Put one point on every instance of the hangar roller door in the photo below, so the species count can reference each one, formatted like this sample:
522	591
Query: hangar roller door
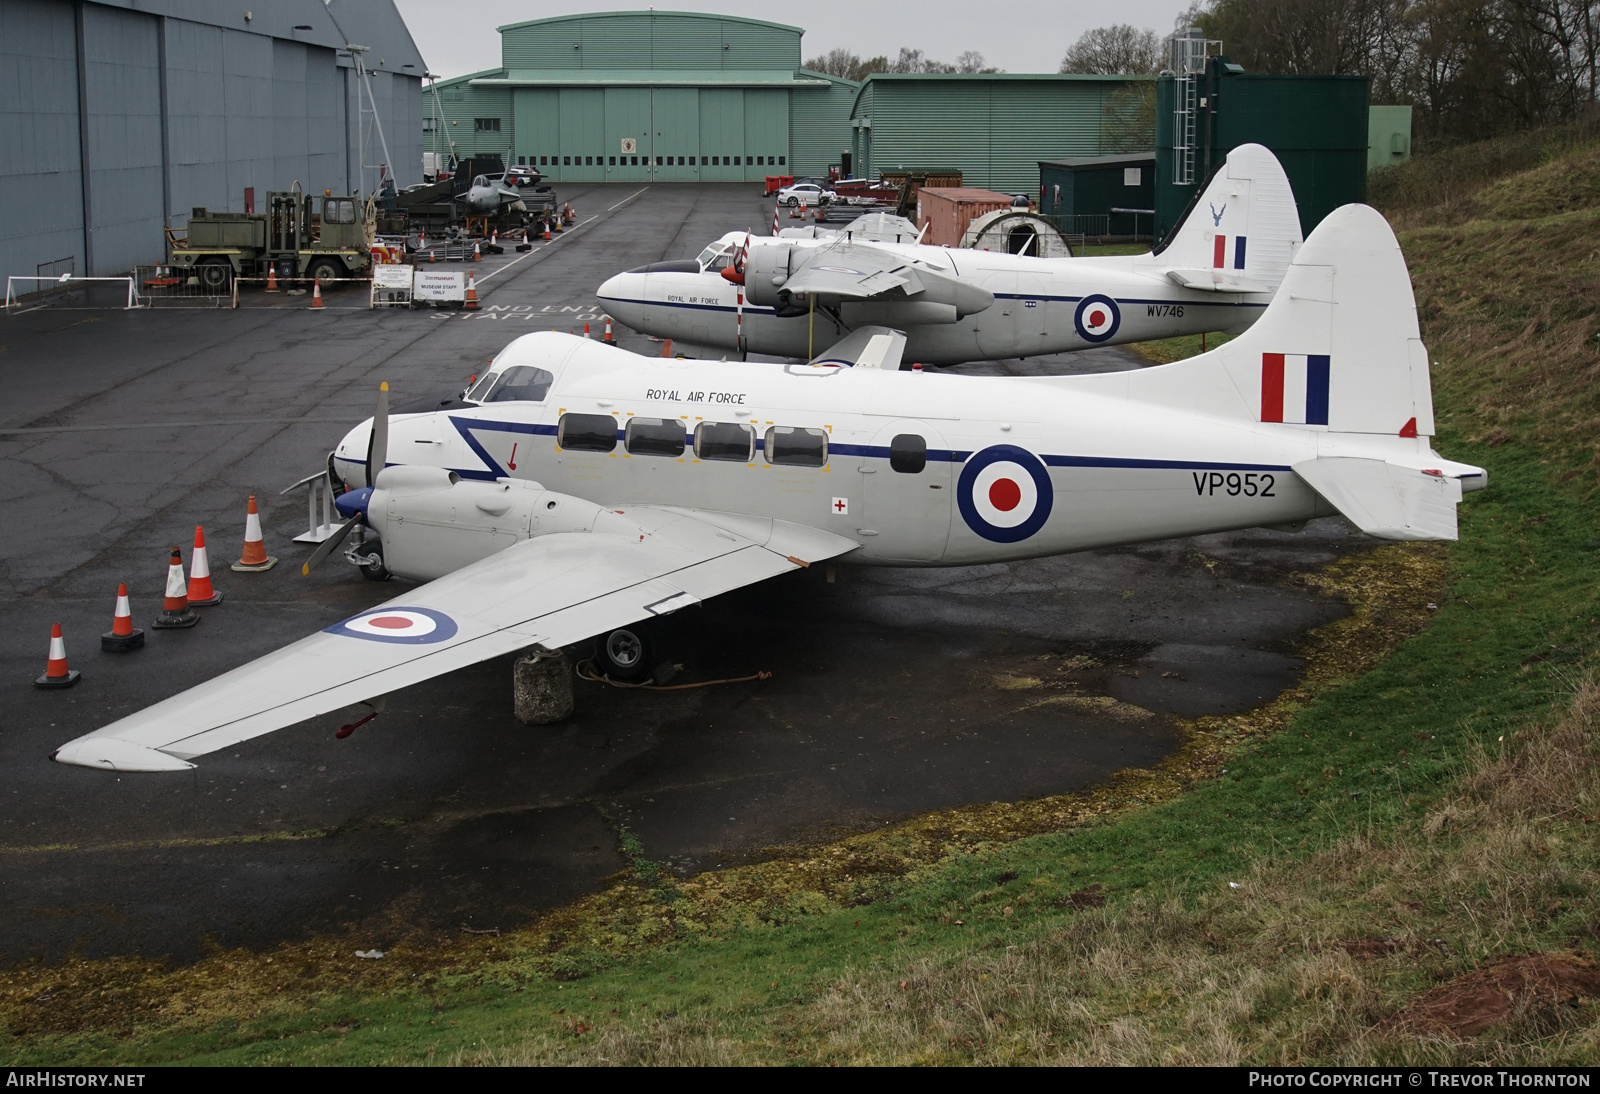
678	134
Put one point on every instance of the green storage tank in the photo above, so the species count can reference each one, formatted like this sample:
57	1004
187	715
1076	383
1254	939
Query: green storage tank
1315	125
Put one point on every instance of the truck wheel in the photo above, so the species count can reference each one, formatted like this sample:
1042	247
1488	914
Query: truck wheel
216	274
325	271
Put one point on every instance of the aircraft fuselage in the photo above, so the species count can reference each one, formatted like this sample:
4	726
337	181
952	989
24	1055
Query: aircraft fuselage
1041	306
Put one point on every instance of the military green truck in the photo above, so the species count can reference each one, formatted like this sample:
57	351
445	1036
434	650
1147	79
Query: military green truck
325	237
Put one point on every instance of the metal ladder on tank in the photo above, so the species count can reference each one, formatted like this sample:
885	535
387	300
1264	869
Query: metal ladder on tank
1188	62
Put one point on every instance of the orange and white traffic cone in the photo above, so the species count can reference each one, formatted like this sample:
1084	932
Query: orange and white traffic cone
255	557
547	229
586	330
56	673
477	253
471	301
123	635
608	336
175	610
272	278
431	256
201	594
316	295
494	238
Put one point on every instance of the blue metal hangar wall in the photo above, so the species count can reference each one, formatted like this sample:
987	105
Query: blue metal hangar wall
647	96
119	116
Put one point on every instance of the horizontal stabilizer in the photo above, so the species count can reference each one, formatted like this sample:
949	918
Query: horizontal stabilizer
866	347
1216	281
1388	500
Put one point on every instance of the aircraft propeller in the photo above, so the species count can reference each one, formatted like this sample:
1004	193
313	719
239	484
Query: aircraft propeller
377	460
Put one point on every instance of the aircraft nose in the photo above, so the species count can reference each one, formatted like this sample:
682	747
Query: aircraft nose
623	297
350	457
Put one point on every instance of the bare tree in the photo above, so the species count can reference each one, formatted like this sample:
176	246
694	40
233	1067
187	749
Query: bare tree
1121	49
841	62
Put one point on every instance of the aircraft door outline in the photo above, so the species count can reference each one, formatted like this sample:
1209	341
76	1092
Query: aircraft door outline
906	495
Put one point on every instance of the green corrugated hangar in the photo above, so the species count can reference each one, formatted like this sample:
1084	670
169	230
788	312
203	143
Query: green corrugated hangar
995	127
647	96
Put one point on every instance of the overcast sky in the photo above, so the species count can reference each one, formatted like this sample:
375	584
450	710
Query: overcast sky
1018	36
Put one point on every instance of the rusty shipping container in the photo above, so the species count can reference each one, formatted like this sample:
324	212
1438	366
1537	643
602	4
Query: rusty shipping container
947	210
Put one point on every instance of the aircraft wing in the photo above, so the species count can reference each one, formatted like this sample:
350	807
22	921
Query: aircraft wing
854	272
551	590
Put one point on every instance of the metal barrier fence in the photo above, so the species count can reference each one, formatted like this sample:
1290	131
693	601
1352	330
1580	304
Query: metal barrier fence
168	286
83	289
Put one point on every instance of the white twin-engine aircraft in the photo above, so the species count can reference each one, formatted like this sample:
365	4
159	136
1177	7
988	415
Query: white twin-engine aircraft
790	297
590	488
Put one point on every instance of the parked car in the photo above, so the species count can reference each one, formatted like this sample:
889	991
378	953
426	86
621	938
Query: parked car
804	195
522	176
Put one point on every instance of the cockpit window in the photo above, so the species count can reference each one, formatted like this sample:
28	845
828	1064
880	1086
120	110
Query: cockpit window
480	180
521	384
480	390
715	257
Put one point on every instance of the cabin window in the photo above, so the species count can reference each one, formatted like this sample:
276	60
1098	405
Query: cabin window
796	446
521	384
587	432
724	441
655	437
338	211
908	453
481	388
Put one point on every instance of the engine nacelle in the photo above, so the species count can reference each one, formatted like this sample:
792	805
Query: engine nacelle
433	522
766	268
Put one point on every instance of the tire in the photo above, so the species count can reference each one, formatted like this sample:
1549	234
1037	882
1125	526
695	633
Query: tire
216	274
375	571
626	653
325	270
794	203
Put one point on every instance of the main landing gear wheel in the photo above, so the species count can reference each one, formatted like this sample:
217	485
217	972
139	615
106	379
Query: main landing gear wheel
625	654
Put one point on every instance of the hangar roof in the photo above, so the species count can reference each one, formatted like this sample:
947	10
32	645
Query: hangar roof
647	78
332	25
650	12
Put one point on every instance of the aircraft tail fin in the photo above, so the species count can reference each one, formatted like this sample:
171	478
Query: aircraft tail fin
1337	352
1240	232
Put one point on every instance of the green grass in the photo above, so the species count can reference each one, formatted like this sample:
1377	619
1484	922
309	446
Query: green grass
1438	804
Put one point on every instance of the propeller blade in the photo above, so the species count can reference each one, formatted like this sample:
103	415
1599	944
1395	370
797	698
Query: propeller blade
329	544
378	443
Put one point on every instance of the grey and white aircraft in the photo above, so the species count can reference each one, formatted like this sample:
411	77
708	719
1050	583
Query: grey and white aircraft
492	195
586	490
785	296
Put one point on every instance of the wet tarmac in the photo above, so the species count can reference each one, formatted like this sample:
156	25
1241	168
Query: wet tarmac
893	692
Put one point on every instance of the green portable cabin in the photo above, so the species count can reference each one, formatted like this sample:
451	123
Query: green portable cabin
1100	195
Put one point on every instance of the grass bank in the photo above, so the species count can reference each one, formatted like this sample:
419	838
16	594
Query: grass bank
1308	882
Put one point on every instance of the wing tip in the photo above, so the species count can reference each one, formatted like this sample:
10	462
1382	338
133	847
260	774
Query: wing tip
116	754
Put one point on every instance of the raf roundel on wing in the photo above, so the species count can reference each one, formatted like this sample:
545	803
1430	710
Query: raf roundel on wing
410	626
1004	493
